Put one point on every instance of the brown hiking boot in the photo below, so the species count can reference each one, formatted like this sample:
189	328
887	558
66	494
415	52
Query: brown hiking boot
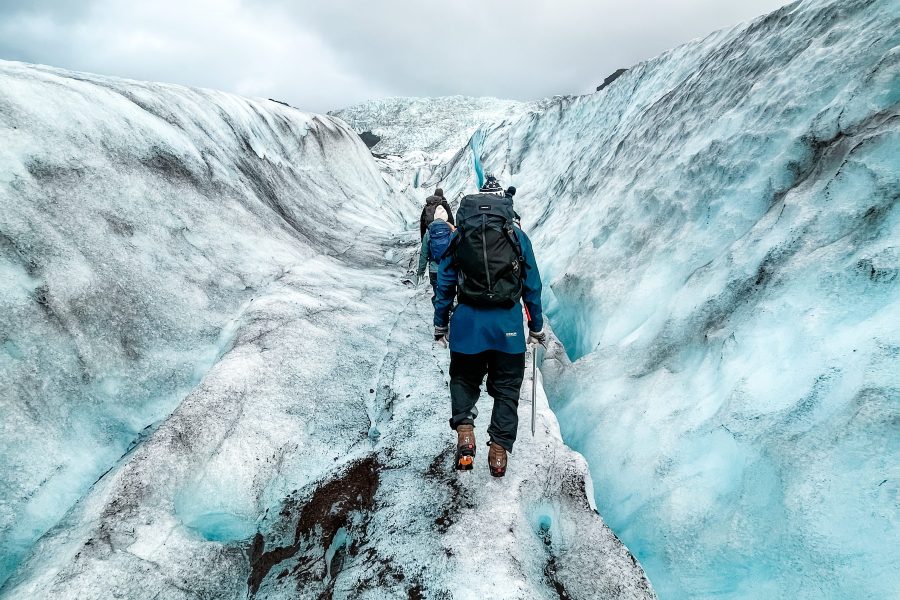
465	447
497	460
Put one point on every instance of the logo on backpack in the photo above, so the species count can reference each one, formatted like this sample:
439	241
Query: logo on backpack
487	252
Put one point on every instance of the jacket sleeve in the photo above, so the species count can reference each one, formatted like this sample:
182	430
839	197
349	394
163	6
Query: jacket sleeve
531	292
449	212
423	256
422	223
446	289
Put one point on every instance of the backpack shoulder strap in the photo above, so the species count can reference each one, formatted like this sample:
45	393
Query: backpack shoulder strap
513	238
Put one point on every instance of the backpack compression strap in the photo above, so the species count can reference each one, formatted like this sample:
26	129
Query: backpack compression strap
508	231
513	239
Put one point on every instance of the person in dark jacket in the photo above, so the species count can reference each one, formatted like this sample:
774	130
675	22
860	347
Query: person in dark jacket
431	203
509	193
487	341
426	259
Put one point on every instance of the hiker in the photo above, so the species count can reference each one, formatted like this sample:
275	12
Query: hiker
491	265
509	193
432	202
435	242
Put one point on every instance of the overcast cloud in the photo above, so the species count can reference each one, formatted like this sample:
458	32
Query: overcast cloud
325	54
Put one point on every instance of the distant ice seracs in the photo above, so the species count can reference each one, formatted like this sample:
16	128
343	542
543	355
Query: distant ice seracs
436	126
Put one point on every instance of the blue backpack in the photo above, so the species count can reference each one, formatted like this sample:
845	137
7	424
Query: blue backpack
438	239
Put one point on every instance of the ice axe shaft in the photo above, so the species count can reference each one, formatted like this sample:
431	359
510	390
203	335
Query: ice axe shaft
533	375
533	388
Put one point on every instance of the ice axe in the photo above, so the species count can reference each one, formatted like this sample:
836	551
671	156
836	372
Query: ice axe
533	378
533	388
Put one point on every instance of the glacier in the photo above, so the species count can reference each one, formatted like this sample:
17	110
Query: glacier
719	236
217	374
218	382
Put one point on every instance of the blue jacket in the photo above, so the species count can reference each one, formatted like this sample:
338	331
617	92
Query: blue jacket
475	329
425	257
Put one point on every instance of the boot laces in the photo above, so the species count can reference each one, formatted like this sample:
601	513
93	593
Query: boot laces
466	437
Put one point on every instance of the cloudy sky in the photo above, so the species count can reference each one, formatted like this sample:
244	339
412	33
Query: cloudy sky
326	54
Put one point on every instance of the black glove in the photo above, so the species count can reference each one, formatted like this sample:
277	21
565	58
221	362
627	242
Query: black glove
440	332
537	337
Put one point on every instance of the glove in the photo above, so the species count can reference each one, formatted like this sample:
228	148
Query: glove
537	337
440	332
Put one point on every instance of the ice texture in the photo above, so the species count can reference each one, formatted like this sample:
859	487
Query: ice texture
216	384
421	138
719	236
138	220
433	126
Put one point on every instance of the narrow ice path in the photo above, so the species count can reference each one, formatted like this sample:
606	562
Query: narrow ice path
315	458
428	529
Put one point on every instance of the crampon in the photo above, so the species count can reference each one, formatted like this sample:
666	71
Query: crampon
465	447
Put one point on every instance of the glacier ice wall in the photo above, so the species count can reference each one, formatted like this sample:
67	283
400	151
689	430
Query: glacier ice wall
137	221
720	233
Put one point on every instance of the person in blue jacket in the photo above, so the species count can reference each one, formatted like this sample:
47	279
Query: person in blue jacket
487	341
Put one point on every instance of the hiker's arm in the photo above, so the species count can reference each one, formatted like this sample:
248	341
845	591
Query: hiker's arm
422	223
531	292
449	213
423	256
445	292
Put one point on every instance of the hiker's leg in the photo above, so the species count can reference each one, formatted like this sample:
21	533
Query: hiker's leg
504	381
432	277
466	374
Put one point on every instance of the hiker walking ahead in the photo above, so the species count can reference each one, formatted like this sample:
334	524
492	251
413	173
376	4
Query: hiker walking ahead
491	265
510	193
431	203
434	244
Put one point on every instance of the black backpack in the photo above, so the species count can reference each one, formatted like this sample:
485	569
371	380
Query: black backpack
431	204
487	252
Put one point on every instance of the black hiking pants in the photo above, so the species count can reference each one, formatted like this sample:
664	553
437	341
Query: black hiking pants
504	380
